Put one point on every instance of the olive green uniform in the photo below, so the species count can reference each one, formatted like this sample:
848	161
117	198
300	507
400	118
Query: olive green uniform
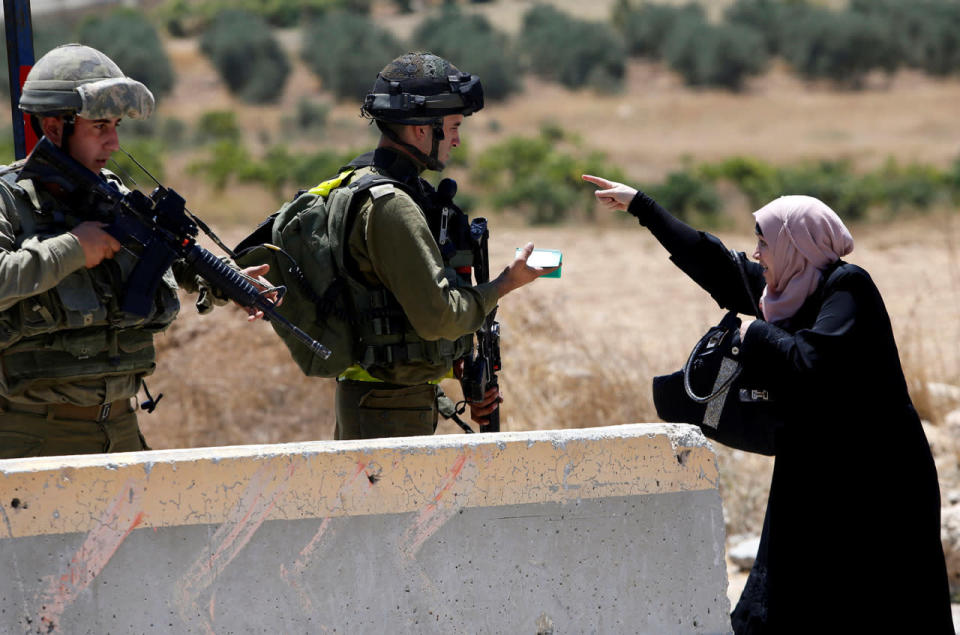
70	360
390	245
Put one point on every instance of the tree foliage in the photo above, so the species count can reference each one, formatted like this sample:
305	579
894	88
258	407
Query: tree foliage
574	52
472	44
841	46
648	28
129	38
247	55
716	55
538	177
347	51
925	33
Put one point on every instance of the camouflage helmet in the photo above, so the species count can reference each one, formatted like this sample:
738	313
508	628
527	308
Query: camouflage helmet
419	89
77	79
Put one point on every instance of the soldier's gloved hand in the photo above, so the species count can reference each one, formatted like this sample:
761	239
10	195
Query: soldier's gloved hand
480	410
97	244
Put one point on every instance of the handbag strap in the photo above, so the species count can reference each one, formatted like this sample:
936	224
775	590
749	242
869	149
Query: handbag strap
719	332
716	332
740	259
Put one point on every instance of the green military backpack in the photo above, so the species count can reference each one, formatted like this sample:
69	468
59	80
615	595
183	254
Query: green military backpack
304	244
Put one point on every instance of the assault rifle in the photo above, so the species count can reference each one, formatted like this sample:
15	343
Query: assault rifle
453	233
481	366
158	229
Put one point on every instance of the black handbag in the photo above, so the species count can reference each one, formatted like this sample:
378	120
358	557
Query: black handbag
714	391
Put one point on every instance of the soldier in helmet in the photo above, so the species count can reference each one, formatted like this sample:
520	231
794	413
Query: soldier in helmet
418	102
72	361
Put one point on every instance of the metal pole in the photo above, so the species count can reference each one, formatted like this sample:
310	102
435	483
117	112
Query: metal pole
19	28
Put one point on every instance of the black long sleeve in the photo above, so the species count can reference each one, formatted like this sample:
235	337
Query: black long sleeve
676	236
703	257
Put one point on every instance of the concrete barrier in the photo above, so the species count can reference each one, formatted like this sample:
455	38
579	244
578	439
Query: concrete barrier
603	530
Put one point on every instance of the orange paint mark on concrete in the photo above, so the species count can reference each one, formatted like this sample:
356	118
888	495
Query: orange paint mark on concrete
257	501
353	485
434	516
120	518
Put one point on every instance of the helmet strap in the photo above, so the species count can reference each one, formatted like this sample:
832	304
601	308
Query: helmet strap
431	161
69	126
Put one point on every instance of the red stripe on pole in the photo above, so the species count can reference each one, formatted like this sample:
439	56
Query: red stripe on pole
29	135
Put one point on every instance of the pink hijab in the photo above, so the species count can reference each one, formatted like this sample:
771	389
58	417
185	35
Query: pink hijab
803	236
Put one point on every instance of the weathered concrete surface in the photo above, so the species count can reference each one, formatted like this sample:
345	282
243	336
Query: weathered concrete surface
604	530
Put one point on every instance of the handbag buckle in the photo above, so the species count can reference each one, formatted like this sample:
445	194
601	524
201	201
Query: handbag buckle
754	395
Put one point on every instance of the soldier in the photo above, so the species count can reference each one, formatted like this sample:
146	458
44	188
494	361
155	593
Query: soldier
418	102
72	361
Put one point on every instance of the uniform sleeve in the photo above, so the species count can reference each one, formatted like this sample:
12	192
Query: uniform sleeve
36	266
406	259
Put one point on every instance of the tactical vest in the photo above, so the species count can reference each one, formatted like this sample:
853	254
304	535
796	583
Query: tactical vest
362	323
392	340
75	331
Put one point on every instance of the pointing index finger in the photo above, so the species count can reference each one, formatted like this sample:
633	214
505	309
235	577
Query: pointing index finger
596	180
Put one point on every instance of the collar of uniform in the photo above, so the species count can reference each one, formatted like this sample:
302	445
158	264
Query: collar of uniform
395	164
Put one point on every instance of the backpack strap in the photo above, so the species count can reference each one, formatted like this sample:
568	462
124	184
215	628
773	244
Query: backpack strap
377	184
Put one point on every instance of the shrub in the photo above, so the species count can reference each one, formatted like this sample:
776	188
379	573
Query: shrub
185	17
533	175
906	187
647	29
249	59
772	19
149	153
218	125
347	51
309	116
227	157
926	33
757	180
277	171
840	46
685	194
130	40
574	52
471	44
708	55
833	182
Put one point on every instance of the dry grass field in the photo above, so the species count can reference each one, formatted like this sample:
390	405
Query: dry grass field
581	351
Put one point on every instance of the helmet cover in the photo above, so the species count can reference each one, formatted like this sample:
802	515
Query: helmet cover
80	79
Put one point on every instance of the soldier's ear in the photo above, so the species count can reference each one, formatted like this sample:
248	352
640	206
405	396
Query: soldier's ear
52	129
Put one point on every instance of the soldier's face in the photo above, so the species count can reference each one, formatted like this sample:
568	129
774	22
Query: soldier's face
94	141
451	136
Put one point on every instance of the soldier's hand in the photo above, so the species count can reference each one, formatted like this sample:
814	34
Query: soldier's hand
613	195
255	276
519	273
97	244
480	410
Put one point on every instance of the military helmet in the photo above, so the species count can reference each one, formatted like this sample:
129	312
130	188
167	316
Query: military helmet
419	89
81	80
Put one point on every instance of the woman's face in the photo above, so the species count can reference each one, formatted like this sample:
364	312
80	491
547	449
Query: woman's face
762	255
